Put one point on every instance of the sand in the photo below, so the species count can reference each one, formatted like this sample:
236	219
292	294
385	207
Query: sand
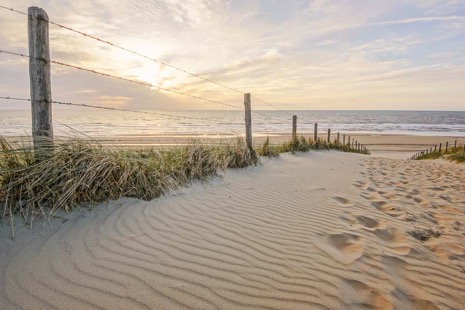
323	230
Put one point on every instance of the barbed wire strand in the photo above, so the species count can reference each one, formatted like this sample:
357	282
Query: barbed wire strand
152	59
129	51
131	81
114	109
121	78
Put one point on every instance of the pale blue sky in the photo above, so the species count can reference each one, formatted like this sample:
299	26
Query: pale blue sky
296	54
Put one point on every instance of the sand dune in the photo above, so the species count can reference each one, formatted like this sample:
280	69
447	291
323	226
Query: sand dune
323	230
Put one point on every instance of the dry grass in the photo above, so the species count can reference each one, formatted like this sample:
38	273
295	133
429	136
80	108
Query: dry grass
80	172
456	154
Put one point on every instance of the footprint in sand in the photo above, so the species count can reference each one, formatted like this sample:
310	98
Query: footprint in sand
345	248
384	207
396	242
405	289
368	222
363	296
342	201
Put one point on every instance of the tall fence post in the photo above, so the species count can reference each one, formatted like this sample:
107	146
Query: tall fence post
343	139
440	147
337	139
315	133
294	126
248	121
40	83
455	144
447	146
329	136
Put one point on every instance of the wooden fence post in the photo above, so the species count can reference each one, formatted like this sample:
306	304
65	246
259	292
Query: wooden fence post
435	148
440	147
40	83
294	126
348	141
343	139
248	121
455	144
329	136
337	139
447	146
315	133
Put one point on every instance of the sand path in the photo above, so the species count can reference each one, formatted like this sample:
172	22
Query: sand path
323	230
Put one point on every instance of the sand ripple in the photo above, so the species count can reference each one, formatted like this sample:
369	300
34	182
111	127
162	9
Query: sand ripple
296	233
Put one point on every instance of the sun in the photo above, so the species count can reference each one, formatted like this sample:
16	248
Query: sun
146	70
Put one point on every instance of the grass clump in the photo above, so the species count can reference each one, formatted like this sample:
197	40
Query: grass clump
81	172
456	154
301	144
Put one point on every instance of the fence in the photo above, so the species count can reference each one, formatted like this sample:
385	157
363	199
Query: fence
438	149
41	91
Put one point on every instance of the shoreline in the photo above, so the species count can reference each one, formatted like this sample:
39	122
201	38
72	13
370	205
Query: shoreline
398	146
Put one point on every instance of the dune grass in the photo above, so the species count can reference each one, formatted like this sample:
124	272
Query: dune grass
456	154
80	172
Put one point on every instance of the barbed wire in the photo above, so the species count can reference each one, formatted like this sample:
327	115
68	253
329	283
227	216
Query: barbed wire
131	81
113	109
155	60
121	78
130	51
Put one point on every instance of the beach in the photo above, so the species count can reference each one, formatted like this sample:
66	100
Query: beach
318	230
396	146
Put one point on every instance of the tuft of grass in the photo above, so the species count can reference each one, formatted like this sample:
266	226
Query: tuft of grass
80	172
432	155
301	144
269	150
456	154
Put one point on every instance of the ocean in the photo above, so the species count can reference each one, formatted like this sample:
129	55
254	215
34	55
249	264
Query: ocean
94	122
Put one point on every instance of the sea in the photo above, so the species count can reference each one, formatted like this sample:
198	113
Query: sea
97	123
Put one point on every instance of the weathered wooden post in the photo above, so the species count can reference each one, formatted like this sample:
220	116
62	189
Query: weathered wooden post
315	133
348	141
455	144
329	136
337	139
294	126
343	139
435	148
40	83
447	146
440	147
248	121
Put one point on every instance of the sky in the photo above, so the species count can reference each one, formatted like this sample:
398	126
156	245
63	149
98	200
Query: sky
295	54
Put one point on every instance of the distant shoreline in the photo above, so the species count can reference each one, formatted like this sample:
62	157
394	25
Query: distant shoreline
400	146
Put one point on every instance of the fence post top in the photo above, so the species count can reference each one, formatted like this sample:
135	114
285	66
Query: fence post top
38	12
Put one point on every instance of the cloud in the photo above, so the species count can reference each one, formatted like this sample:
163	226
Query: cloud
299	54
418	20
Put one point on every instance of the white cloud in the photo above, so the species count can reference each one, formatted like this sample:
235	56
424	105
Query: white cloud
301	54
